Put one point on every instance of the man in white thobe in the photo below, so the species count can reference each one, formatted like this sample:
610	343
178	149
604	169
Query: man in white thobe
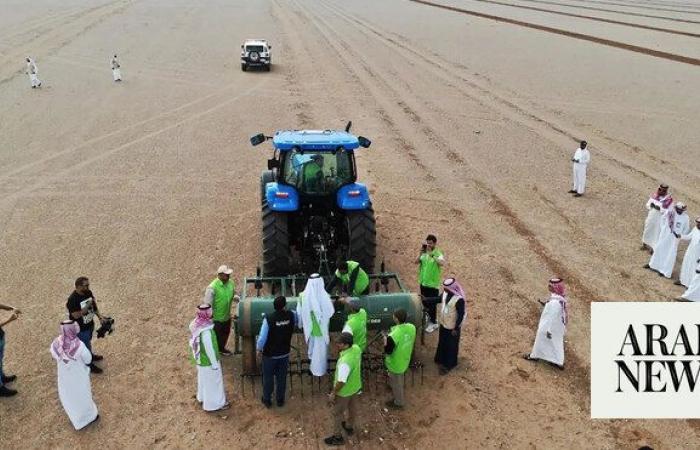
315	310
205	353
692	294
73	361
657	205
674	224
581	159
692	254
33	72
549	342
116	69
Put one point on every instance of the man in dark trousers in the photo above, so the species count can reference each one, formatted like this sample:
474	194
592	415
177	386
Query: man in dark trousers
274	343
82	308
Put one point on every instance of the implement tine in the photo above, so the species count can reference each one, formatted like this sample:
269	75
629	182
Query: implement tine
301	376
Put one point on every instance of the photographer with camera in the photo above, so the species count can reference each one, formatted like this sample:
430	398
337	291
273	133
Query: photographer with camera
82	308
430	260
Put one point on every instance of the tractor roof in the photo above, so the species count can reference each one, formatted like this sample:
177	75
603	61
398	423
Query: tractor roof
314	140
255	42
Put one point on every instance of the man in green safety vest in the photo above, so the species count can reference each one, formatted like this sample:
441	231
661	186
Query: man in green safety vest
352	278
347	384
312	174
220	293
398	346
430	261
356	323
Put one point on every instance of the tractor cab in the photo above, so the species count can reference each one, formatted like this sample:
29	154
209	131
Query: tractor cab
314	210
313	168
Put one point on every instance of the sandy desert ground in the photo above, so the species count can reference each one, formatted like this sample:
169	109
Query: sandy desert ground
148	185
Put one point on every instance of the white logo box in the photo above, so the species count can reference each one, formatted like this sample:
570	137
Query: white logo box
610	322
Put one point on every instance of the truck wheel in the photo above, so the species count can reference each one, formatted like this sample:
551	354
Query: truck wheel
362	238
244	67
265	177
267	68
275	235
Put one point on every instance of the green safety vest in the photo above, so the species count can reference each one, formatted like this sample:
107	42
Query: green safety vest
353	358
315	326
223	295
358	324
311	175
361	282
204	359
404	336
429	272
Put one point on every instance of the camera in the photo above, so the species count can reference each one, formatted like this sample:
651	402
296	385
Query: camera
424	248
106	327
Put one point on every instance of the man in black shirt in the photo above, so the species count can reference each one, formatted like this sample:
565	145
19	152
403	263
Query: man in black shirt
4	379
82	308
274	344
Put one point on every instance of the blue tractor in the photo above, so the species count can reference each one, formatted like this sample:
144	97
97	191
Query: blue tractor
313	209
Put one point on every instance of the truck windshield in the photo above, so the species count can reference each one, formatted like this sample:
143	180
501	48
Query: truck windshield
254	48
318	173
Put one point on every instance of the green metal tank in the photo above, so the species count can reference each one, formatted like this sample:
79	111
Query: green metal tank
388	295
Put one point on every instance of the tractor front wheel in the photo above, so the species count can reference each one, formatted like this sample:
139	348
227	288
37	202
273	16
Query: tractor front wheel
362	238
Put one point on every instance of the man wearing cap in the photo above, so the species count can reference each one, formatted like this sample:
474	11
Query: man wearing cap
220	293
581	159
352	278
549	342
398	347
657	205
274	343
356	323
674	224
692	254
347	383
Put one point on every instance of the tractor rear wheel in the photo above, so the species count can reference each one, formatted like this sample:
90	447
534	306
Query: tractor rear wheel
275	234
362	238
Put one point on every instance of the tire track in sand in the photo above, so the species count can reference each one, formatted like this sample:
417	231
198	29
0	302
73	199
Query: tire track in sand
593	18
57	38
581	372
9	199
614	11
584	37
519	114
